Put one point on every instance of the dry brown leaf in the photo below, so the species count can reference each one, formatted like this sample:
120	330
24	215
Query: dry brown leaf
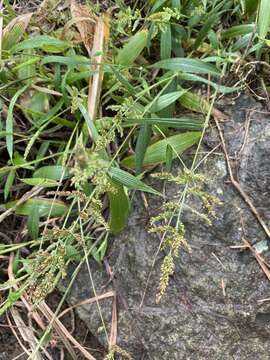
85	21
46	90
64	334
21	21
92	300
113	335
102	33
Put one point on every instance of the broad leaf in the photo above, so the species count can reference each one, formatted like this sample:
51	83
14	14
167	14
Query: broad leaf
157	152
43	42
40	182
165	100
52	172
238	30
187	65
132	49
46	207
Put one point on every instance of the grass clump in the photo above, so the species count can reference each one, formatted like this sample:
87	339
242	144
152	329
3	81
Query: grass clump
92	100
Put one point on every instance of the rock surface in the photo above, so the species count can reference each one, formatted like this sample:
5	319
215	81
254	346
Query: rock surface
212	308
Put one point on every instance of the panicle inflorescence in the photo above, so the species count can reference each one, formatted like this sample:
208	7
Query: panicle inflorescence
108	131
94	211
173	237
91	167
44	268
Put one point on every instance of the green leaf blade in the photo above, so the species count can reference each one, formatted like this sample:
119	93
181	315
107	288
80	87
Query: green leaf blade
132	49
195	66
130	181
157	152
46	207
119	208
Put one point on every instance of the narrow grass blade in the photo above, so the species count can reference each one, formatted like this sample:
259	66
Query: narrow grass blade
9	121
205	29
33	222
251	6
176	123
169	157
42	182
89	122
196	103
9	183
130	181
74	60
176	4
143	141
263	20
220	88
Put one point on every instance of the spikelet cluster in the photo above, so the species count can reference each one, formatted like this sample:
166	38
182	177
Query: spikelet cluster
131	19
75	194
64	234
94	211
129	109
76	98
162	18
44	268
115	349
166	270
91	167
209	201
107	132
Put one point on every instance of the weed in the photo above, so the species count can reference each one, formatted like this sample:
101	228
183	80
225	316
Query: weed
89	105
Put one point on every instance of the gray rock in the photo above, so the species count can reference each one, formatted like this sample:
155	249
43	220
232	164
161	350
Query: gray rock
211	309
